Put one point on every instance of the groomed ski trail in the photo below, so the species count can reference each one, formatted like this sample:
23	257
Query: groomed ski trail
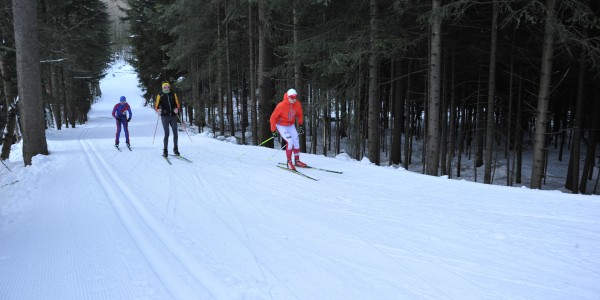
170	261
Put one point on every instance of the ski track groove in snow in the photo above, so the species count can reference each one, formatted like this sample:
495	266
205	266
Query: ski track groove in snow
426	261
367	248
59	227
222	197
470	270
279	225
174	268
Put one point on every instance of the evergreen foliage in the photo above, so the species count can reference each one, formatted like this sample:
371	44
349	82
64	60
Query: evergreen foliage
209	43
74	45
229	76
149	43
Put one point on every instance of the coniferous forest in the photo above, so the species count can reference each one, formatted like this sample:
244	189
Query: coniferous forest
72	46
464	79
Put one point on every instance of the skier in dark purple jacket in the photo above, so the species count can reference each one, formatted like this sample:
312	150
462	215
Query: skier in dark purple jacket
122	113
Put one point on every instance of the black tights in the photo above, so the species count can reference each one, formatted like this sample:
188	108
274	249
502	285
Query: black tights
166	122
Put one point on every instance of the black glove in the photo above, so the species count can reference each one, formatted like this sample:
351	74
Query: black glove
275	134
301	129
128	120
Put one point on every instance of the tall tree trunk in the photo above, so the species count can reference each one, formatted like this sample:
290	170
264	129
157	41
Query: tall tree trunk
48	101
519	134
70	103
97	89
564	117
489	143
11	120
374	101
338	108
433	114
509	143
29	79
220	75
62	95
479	124
244	106
358	117
443	122
298	84
9	93
230	118
398	106
572	181
265	61
407	121
313	112
198	111
11	125
453	113
588	166
252	73
55	87
325	113
478	120
461	134
544	93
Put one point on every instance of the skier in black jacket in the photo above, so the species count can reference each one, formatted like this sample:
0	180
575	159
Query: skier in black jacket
167	106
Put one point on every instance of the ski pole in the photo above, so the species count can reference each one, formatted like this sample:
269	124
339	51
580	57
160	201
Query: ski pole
184	129
244	153
277	150
157	117
265	141
6	166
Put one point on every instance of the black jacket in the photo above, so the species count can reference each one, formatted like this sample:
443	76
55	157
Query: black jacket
167	103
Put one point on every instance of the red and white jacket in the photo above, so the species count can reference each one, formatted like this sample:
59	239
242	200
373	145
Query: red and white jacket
286	113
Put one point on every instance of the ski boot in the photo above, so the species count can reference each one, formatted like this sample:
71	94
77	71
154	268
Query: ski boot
300	164
290	165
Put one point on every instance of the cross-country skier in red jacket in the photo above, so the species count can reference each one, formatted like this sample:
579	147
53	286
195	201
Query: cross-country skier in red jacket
283	121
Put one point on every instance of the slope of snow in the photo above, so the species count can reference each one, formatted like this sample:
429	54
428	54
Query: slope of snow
90	222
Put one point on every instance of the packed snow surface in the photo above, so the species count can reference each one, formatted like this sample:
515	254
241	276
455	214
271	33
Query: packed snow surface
91	222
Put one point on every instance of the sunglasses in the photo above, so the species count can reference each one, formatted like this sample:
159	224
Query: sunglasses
166	88
292	96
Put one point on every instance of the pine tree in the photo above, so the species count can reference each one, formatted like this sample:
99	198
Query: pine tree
29	79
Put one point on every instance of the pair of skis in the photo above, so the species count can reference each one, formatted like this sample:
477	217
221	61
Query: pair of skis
178	157
284	167
166	158
280	165
128	147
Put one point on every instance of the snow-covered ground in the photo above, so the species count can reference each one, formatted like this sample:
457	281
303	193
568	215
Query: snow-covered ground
90	222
